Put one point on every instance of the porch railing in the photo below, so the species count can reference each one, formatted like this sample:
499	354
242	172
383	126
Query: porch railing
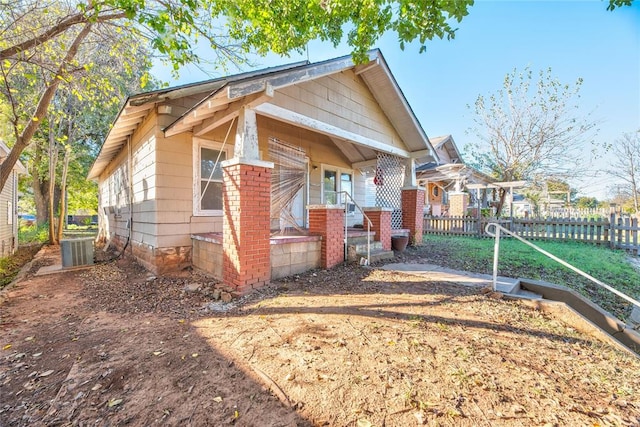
497	229
364	215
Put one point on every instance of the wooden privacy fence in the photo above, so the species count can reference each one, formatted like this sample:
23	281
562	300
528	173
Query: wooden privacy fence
615	232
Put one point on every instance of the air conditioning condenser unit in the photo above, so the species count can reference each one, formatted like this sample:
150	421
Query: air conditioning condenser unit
76	252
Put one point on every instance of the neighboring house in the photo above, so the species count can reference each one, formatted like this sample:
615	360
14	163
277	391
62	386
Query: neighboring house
202	174
449	177
9	206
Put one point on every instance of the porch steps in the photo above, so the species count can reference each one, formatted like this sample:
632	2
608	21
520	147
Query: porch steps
357	248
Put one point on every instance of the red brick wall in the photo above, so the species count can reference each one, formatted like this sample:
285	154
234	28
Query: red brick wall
246	204
329	223
412	213
381	224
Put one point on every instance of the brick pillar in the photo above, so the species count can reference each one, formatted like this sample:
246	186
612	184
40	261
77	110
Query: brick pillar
412	213
246	193
458	203
328	222
381	224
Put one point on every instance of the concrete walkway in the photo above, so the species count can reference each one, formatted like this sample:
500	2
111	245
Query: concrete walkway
435	273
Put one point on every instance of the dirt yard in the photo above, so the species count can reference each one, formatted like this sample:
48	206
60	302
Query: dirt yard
114	345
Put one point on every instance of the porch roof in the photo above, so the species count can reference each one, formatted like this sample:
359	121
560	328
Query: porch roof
222	99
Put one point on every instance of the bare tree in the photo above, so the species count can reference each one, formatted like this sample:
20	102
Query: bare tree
626	165
531	129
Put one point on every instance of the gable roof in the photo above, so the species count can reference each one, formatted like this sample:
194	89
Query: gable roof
447	145
219	95
4	152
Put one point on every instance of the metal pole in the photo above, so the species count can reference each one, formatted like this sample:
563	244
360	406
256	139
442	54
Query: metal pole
346	248
496	250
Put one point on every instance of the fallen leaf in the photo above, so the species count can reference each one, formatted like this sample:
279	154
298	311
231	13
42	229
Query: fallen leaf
364	423
96	387
217	399
6	347
29	338
236	414
114	402
157	353
37	354
46	373
195	355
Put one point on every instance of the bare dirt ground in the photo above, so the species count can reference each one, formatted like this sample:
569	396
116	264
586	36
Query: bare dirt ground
113	345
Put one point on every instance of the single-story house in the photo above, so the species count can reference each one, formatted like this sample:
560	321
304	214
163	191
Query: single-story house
9	206
220	174
446	180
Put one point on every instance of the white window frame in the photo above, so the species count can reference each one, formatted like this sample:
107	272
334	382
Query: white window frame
339	171
198	144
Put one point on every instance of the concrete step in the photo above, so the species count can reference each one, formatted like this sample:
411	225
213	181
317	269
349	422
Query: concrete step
354	250
360	238
506	285
511	287
377	255
362	247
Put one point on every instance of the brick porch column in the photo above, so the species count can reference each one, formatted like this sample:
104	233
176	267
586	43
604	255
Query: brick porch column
412	213
381	224
328	222
458	203
246	194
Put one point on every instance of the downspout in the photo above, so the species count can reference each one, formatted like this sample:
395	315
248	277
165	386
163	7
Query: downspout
130	188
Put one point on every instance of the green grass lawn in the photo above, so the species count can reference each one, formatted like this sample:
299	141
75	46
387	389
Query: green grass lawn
612	267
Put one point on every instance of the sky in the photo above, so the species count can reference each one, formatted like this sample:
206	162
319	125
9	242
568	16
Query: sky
576	39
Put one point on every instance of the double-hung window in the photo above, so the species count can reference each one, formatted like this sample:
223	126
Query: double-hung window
208	158
335	181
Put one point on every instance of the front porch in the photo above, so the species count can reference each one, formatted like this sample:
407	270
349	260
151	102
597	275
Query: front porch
291	254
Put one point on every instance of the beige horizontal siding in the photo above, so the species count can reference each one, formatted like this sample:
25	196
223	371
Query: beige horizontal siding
342	100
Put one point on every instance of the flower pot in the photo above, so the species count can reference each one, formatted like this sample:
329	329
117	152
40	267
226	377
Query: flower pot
399	243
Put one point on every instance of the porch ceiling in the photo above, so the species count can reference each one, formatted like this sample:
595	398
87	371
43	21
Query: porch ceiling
353	152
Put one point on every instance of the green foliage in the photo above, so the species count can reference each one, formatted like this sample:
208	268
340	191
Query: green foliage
618	3
33	234
518	260
282	26
586	202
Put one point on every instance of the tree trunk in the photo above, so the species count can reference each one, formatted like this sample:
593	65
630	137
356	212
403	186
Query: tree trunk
41	198
503	196
53	160
63	188
24	138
